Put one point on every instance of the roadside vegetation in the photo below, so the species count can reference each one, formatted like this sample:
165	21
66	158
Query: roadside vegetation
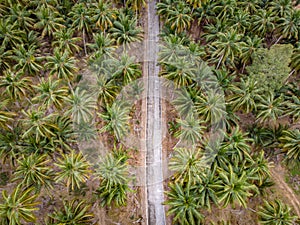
251	49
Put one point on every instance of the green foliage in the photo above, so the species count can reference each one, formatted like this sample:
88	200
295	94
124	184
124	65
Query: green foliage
73	170
244	95
191	130
235	188
15	85
116	118
73	212
290	142
62	65
126	69
17	207
114	180
37	124
177	13
270	68
269	107
34	170
187	165
82	106
275	213
125	30
51	93
183	204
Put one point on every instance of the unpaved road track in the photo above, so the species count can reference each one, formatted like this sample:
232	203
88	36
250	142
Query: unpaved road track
154	173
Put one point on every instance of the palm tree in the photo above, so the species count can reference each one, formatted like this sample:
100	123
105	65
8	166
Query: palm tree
64	40
248	49
126	69
107	90
185	101
164	7
51	93
295	64
21	16
102	46
269	107
183	203
244	95
226	47
103	15
28	59
62	65
275	213
207	188
82	105
73	170
249	6
241	21
187	165
49	21
73	212
10	35
260	168
263	22
16	86
17	207
136	5
190	130
181	72
33	38
125	30
86	131
171	49
282	8
114	180
34	170
44	4
235	188
290	142
231	119
211	107
64	133
293	107
236	145
37	124
81	17
179	17
205	13
288	26
116	119
225	9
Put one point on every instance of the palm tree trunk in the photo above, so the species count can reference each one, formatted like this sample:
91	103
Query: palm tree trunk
278	40
289	76
84	44
244	65
220	61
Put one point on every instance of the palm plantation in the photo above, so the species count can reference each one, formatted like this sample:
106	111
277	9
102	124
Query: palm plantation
64	118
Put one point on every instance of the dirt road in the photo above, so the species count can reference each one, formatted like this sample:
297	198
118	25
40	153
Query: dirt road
154	173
